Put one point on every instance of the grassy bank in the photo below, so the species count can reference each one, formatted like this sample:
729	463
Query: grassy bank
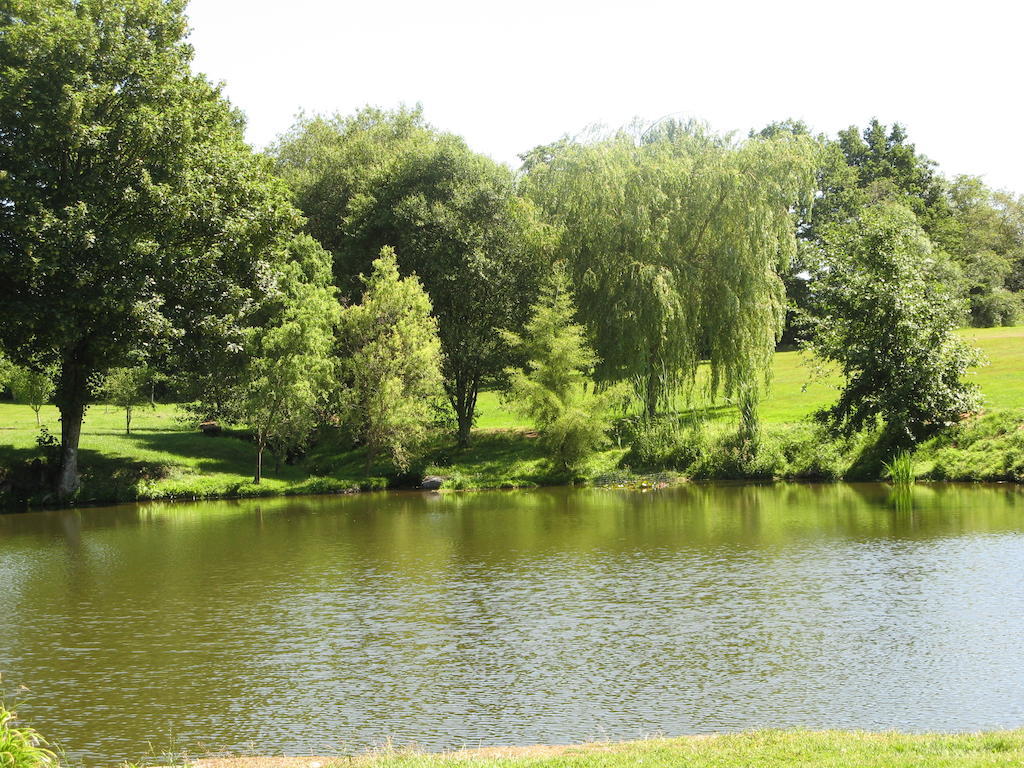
166	458
763	749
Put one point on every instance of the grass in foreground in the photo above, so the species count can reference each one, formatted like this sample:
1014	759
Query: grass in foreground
758	749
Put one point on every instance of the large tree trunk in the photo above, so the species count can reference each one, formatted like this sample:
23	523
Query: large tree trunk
71	395
71	415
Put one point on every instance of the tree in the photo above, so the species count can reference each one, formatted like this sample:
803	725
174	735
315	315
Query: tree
133	215
837	197
6	371
555	389
985	238
382	178
888	167
884	315
675	242
289	366
391	363
126	388
856	169
33	388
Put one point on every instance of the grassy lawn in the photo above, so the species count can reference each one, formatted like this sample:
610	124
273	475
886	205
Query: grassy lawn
796	391
758	749
164	458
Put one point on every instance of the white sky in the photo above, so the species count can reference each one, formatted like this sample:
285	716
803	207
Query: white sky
510	75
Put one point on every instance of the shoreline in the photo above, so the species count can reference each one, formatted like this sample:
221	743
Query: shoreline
640	486
762	748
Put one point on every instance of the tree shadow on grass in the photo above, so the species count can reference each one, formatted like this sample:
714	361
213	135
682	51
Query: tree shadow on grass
28	476
199	452
496	456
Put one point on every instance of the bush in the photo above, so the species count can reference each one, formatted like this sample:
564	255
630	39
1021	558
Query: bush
731	457
1000	307
809	454
990	448
790	452
665	443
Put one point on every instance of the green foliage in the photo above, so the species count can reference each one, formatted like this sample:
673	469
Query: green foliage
985	237
22	747
555	390
33	388
289	367
990	448
900	470
135	217
6	371
126	388
665	443
391	358
675	242
883	316
379	179
889	168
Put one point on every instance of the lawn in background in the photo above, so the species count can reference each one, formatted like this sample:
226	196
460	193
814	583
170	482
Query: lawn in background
165	457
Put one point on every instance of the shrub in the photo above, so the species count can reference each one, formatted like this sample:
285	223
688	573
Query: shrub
1000	307
733	457
989	448
809	454
665	443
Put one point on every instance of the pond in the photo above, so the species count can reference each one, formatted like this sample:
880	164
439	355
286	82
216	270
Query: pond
331	624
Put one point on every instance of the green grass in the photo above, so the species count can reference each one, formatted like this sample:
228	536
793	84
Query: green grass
163	458
758	749
900	470
795	393
20	746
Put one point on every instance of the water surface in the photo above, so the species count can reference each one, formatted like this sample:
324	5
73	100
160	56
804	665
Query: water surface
327	625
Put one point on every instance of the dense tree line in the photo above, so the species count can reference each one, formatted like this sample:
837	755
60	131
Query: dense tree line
371	271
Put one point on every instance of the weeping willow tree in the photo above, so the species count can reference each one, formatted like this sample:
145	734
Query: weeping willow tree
676	240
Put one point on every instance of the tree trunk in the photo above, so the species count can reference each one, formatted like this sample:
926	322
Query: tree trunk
370	454
651	396
463	400
71	396
71	415
259	464
127	421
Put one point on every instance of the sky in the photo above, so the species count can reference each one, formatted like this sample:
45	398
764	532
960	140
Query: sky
510	75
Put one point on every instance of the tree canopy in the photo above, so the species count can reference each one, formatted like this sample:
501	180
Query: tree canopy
555	389
381	178
390	363
886	318
675	240
133	214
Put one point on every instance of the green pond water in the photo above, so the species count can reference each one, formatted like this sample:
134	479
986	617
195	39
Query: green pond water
329	625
